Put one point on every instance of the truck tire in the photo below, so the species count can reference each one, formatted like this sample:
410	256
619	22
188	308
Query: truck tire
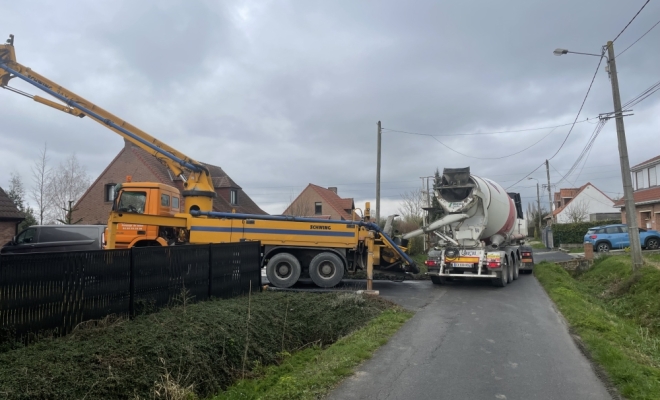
438	280
516	268
283	270
326	269
509	267
502	277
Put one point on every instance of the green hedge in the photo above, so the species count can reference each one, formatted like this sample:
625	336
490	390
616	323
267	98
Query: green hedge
574	233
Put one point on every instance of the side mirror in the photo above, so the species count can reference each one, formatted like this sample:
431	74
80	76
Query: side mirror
13	240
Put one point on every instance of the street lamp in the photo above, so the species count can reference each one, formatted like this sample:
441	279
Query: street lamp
538	199
629	200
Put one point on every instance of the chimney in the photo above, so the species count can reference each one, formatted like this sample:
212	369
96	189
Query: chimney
333	189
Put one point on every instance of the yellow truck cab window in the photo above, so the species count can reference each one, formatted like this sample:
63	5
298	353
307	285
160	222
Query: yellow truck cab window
175	203
132	202
165	200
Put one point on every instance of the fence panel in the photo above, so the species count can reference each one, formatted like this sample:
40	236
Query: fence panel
233	267
57	291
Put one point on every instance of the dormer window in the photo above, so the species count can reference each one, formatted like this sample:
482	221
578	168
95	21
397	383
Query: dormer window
233	197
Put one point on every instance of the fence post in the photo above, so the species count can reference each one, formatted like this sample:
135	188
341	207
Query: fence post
210	270
131	286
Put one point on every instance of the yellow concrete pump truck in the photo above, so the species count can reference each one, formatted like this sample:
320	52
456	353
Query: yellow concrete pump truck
146	213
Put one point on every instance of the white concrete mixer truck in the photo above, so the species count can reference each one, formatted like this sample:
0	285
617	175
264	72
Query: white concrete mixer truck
481	233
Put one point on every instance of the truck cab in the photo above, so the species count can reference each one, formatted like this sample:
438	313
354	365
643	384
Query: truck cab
151	199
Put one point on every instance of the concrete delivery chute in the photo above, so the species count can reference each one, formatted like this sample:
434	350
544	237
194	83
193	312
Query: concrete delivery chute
149	214
481	234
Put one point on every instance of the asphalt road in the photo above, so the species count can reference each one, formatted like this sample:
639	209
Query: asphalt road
469	340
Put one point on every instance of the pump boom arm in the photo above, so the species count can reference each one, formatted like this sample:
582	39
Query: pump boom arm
198	182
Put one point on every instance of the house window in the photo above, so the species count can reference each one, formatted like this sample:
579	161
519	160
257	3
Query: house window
317	208
175	203
653	178
641	180
165	200
109	193
233	197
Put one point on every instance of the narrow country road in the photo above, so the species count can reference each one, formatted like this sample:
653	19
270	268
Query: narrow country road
470	340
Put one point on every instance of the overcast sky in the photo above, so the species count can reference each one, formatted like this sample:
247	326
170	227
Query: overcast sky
285	93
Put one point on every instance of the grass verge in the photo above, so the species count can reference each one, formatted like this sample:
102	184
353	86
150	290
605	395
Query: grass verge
311	373
615	314
183	352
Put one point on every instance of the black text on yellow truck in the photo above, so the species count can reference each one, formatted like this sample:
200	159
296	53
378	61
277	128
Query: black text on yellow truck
146	213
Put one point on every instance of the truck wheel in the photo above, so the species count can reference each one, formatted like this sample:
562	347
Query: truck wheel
502	276
283	270
516	269
652	243
326	270
509	268
438	280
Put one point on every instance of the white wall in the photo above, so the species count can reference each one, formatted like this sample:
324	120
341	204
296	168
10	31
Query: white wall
595	201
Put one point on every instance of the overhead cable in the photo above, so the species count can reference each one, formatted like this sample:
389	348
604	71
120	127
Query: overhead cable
633	18
638	39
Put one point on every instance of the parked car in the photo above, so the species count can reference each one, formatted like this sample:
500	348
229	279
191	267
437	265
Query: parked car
607	237
56	238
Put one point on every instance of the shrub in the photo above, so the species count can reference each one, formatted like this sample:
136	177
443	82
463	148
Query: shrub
574	232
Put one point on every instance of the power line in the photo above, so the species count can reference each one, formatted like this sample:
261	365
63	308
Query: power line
524	177
494	158
633	18
642	96
600	60
484	133
587	147
638	39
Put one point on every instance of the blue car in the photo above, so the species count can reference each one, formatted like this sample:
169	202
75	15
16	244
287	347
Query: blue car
607	237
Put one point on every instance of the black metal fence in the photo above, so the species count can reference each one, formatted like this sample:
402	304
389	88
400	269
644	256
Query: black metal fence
57	291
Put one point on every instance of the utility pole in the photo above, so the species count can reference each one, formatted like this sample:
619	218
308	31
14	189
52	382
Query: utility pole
547	170
538	199
631	218
378	178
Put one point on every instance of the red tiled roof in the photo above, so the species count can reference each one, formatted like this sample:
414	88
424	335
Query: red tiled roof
579	190
656	158
342	207
333	200
646	196
8	210
219	177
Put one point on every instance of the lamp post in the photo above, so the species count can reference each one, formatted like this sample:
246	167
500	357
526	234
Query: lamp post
538	199
629	200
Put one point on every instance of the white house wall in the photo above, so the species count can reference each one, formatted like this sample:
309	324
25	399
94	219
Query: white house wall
596	203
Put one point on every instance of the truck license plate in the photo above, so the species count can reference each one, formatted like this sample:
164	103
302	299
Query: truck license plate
462	265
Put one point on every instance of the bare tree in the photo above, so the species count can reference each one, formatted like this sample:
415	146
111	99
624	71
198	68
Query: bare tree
66	183
412	206
40	176
577	210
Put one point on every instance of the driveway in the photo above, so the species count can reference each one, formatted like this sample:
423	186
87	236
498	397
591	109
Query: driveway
469	340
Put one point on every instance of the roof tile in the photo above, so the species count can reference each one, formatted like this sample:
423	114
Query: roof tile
7	208
650	195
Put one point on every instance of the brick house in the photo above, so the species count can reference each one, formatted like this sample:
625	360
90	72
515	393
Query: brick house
319	202
586	202
646	193
95	204
10	218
